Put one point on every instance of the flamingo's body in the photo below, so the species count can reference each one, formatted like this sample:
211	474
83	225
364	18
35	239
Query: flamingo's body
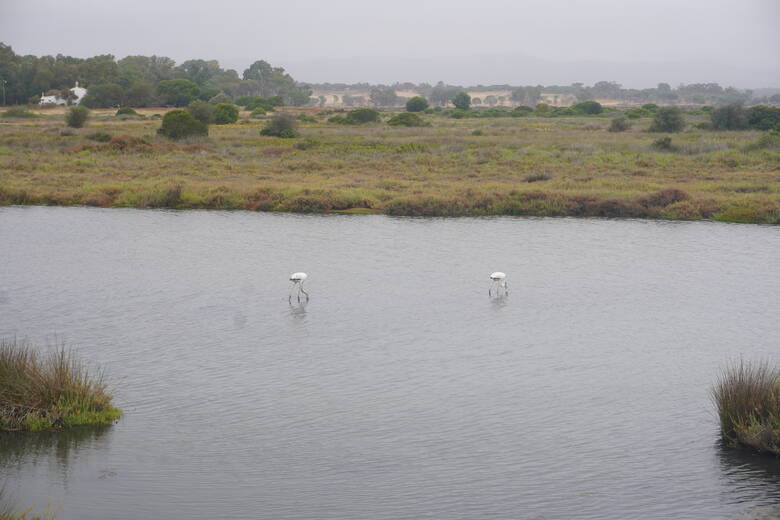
499	282
297	280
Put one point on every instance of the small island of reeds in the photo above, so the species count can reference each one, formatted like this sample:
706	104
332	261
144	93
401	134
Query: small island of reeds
747	397
49	391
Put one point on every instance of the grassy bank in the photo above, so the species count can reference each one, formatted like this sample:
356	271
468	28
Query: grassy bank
747	397
49	392
564	166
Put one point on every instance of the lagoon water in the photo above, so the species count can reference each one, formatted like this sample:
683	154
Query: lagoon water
401	390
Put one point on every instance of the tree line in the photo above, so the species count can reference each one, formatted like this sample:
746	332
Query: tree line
140	81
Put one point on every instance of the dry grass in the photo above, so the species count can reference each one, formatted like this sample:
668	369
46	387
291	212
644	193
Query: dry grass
747	397
519	166
49	392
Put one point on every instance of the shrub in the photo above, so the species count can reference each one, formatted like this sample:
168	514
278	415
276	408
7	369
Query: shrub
747	397
220	98
363	115
416	104
729	117
76	117
762	117
51	392
179	124
202	111
521	111
281	125
258	112
225	114
663	144
588	107
537	177
407	119
126	111
477	132
462	101
650	107
19	112
307	144
619	124
100	137
668	119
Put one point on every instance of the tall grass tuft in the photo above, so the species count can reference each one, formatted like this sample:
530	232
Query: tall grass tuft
747	396
49	392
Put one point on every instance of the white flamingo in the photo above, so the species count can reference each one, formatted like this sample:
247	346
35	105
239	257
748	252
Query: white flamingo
297	280
499	282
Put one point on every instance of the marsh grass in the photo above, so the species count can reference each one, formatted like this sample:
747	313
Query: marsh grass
47	392
440	169
747	397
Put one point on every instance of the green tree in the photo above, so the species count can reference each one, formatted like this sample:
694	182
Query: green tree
383	97
462	101
225	114
76	117
667	119
179	124
416	104
106	95
140	94
178	92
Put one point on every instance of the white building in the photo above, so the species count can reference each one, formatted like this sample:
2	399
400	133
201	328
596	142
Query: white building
78	93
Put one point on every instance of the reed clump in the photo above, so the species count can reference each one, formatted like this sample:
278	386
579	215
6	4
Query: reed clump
49	392
747	396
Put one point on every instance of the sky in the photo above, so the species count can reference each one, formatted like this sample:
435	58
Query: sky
637	43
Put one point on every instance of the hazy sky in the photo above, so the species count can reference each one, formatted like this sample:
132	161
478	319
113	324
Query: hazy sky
637	43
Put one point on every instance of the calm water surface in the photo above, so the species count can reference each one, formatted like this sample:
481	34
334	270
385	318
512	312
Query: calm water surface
401	390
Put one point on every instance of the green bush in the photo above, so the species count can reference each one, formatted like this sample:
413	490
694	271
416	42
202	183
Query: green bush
619	124
220	98
225	114
668	119
76	117
363	115
761	117
462	101
18	112
747	397
258	112
307	144
100	137
49	392
650	107
521	111
663	144
477	132
281	125
416	104
179	124
202	111
729	117
588	107
407	119
126	111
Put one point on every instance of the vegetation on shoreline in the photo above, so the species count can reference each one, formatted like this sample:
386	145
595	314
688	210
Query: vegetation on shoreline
49	392
530	165
747	397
